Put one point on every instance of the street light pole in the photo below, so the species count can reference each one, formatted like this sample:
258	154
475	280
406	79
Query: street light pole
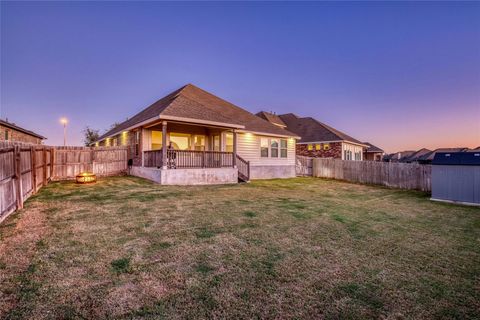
64	121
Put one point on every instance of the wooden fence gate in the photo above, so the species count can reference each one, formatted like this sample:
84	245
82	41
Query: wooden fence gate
303	166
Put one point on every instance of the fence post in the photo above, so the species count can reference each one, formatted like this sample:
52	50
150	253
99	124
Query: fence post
92	157
44	166
18	177
33	159
52	159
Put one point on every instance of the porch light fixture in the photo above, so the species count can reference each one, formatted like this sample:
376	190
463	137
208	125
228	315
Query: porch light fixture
86	177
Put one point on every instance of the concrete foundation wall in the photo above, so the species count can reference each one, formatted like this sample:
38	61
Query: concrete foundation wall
187	176
152	174
271	172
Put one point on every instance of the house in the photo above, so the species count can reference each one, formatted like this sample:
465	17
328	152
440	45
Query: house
208	140
317	139
372	153
11	132
398	156
428	158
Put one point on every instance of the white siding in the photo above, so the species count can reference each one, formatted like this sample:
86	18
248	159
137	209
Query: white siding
248	147
353	148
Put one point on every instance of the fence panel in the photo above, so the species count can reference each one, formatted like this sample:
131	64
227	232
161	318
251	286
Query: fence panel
7	182
396	175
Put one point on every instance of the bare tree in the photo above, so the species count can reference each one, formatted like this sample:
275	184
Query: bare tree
90	135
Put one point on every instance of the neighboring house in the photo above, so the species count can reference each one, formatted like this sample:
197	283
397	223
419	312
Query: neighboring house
317	139
208	139
422	156
11	132
398	156
416	156
372	153
428	158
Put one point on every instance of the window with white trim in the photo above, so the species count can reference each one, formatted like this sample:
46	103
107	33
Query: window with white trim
274	148
264	147
283	148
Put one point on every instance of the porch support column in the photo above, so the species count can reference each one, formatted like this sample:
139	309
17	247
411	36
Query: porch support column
234	148
164	145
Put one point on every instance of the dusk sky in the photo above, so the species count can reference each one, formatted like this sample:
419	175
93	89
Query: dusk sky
400	75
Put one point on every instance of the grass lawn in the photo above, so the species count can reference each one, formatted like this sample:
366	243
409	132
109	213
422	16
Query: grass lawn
300	248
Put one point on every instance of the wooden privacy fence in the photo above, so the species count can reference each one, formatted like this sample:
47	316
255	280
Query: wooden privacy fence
25	168
103	161
396	175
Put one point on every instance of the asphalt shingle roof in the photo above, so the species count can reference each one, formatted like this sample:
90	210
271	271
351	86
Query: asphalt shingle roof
372	148
15	127
271	117
192	102
312	130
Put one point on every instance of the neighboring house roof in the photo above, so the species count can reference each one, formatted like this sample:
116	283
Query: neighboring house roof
398	156
194	104
372	149
15	127
312	130
429	156
271	117
417	155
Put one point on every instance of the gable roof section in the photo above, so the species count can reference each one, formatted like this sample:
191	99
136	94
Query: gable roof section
416	156
372	148
15	127
398	156
191	102
272	118
312	130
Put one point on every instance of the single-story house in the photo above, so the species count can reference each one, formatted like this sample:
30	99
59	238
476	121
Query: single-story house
317	139
11	132
208	140
372	153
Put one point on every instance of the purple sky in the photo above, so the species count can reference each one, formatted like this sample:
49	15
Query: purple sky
400	75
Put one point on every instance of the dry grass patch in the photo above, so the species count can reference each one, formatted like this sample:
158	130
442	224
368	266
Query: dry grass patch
298	248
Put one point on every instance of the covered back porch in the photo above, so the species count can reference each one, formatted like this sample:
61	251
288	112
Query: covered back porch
191	146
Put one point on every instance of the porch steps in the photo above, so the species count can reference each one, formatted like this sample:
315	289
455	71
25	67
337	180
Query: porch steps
243	167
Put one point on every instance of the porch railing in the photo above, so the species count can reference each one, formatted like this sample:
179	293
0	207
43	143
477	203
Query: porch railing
189	159
243	169
152	158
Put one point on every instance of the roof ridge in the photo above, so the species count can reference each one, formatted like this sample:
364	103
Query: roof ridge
143	111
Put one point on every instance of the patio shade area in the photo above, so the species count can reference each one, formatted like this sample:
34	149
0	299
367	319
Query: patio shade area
302	248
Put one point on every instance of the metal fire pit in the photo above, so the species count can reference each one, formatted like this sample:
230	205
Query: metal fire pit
86	177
